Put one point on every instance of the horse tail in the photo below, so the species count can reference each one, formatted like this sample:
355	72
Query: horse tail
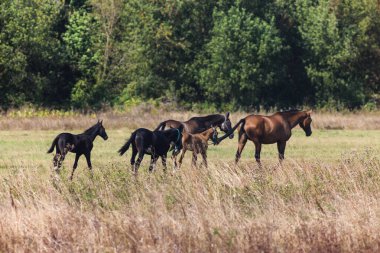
161	126
241	122
125	147
53	145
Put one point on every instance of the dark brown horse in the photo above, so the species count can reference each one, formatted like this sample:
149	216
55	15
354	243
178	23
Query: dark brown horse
197	125
276	128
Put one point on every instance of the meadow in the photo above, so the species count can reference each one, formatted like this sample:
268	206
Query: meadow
324	198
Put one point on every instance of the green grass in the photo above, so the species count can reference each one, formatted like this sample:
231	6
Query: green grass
29	147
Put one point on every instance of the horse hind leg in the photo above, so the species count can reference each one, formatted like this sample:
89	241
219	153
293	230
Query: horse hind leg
56	159
242	141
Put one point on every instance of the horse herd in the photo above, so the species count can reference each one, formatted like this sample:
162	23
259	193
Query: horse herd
193	135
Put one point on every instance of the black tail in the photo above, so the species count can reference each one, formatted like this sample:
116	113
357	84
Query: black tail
51	149
125	147
242	121
161	126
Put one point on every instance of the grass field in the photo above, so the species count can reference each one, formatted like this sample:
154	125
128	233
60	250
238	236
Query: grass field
325	197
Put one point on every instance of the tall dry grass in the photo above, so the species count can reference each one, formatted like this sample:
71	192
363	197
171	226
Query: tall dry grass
301	207
150	116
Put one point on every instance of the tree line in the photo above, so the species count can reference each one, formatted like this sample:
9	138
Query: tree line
238	54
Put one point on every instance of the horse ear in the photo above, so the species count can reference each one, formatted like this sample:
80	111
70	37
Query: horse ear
309	112
100	122
227	115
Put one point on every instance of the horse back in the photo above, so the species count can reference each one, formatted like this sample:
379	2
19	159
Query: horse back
267	129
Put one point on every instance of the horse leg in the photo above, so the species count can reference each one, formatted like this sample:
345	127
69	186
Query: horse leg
75	165
257	153
163	158
88	158
204	157
62	158
153	161
242	141
281	150
138	162
134	154
181	157
56	160
194	160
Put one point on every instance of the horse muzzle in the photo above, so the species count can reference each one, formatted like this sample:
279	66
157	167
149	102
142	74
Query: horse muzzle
105	137
309	134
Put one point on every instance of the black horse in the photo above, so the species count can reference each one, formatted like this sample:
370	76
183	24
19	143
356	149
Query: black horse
156	144
196	125
80	144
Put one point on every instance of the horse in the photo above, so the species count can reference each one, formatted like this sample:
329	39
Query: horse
276	128
154	143
80	144
197	125
198	143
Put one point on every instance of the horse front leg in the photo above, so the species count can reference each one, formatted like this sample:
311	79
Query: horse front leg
204	157
182	156
281	150
75	165
257	153
88	158
153	161
194	160
163	158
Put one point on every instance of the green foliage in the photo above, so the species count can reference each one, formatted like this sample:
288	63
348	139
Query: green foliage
235	54
243	59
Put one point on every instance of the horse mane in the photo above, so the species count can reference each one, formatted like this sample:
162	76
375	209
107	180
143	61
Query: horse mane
290	111
92	129
212	117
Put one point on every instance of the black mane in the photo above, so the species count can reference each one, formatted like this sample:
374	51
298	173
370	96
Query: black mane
92	129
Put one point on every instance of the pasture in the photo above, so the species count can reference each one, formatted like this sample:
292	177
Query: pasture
325	197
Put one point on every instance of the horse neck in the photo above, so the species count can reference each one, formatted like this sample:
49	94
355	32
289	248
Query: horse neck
171	135
92	132
219	119
295	118
207	134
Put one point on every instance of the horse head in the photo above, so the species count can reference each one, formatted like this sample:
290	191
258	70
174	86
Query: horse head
305	124
226	125
101	130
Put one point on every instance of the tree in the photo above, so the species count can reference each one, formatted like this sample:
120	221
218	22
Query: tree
243	60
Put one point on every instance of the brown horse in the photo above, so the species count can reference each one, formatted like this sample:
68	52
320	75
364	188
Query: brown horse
276	128
198	143
197	125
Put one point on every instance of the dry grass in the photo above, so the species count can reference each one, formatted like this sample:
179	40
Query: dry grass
323	199
149	117
302	207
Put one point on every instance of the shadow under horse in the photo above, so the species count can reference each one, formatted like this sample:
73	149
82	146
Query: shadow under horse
197	125
276	128
156	144
80	144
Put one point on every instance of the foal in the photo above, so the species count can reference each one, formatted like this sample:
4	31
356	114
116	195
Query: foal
80	144
198	143
276	128
156	144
